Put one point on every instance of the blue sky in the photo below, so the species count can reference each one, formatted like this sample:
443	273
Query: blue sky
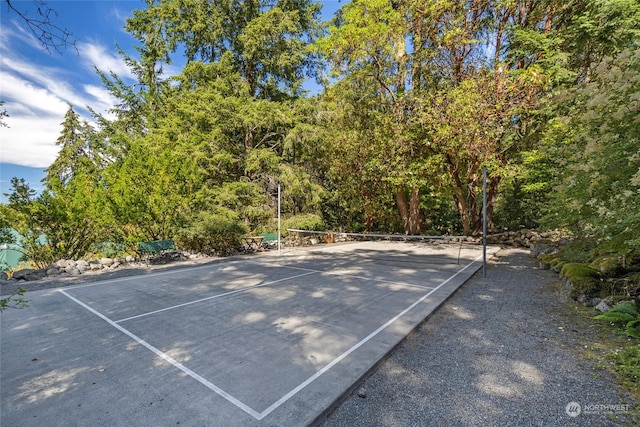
38	86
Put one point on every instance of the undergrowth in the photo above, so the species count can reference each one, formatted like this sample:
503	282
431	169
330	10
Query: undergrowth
611	348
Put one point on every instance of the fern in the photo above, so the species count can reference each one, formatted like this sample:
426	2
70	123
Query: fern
626	313
616	317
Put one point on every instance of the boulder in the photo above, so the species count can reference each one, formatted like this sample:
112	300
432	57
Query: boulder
602	306
52	271
106	261
541	249
609	266
582	282
22	274
72	271
83	266
130	258
95	266
35	275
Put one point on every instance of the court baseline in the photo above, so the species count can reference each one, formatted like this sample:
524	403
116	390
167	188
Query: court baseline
222	393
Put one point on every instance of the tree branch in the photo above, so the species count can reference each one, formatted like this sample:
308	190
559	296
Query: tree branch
51	36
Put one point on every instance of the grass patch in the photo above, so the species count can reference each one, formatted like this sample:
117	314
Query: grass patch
610	349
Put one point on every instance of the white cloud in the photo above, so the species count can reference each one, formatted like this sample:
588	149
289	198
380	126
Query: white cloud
17	31
24	97
35	115
95	54
103	100
30	141
49	78
37	98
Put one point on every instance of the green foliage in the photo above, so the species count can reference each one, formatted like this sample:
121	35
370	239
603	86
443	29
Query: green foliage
626	314
525	193
51	226
3	115
417	117
414	108
599	195
217	232
627	364
311	222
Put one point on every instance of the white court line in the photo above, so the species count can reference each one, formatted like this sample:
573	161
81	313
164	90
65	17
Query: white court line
260	415
347	275
139	276
338	359
213	297
169	359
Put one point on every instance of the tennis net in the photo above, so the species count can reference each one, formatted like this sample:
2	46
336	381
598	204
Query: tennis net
377	245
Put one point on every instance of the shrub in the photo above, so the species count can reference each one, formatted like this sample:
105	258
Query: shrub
303	222
219	232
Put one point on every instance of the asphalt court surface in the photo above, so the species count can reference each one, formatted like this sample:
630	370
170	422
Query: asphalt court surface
265	340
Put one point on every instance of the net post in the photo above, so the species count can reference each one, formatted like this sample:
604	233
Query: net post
279	247
484	221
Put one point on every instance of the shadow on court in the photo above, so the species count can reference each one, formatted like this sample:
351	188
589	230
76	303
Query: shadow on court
261	340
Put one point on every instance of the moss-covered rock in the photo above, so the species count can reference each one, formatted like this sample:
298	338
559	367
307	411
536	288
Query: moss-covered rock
557	266
581	280
609	266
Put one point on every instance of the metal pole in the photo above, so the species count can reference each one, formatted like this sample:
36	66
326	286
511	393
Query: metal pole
484	221
279	250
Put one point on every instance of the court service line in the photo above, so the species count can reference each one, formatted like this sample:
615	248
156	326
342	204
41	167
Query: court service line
338	359
161	273
349	276
168	359
213	297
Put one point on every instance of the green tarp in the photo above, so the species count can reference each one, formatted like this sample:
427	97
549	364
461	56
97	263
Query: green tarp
10	253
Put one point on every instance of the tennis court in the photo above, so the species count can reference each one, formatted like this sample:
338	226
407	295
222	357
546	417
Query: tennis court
272	339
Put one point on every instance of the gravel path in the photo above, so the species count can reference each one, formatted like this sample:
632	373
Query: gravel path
499	352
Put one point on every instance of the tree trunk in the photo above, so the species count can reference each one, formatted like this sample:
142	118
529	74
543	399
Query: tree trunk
409	208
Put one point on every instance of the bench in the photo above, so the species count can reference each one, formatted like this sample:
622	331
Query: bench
253	242
155	247
269	239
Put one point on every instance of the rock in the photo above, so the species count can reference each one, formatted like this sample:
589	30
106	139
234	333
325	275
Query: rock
35	275
130	258
542	249
52	271
602	307
95	266
362	392
21	274
61	263
115	264
544	266
588	301
4	275
83	266
313	241
106	261
72	271
608	266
